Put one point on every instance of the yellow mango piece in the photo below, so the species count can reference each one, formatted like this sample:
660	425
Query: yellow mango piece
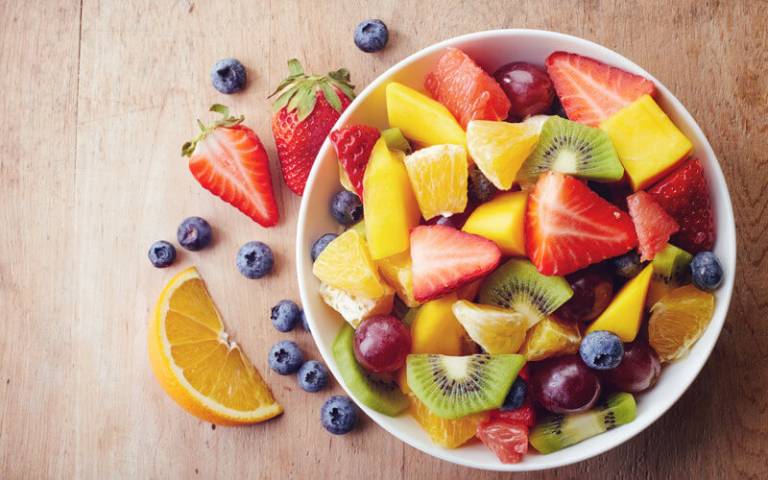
439	179
397	272
345	181
501	220
625	313
347	265
648	143
500	148
353	308
444	432
436	330
421	118
389	204
551	337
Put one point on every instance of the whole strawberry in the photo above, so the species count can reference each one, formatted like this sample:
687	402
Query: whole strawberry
306	108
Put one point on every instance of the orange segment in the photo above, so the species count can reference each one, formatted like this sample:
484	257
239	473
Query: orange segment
438	177
346	264
678	320
444	432
551	337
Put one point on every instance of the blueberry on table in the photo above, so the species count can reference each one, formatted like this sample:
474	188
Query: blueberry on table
228	76
285	315
516	395
346	208
313	376
707	273
194	234
371	35
285	357
255	259
601	350
338	415
162	254
320	244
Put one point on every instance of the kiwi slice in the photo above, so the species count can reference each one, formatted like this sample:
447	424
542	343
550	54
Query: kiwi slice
671	269
560	431
454	387
517	285
378	394
575	149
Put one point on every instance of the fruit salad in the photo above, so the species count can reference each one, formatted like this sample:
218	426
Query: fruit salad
519	254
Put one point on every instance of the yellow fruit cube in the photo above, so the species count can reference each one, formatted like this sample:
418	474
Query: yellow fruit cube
500	148
501	220
551	337
354	308
648	143
347	265
439	179
436	330
389	204
625	313
421	118
444	432
397	272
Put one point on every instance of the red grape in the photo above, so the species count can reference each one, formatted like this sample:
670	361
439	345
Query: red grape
592	292
564	384
382	343
528	88
638	370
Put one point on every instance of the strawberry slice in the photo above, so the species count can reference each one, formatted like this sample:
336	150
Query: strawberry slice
568	226
353	146
228	160
591	91
653	225
509	441
684	194
444	259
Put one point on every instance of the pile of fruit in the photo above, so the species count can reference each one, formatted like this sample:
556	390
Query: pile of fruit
523	252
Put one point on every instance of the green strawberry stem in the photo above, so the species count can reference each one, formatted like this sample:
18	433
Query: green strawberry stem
298	92
227	121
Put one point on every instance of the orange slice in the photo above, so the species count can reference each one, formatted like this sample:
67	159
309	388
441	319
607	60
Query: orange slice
444	432
677	321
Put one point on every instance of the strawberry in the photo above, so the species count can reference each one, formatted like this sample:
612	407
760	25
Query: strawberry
591	91
444	259
568	226
306	109
228	160
684	194
653	225
353	146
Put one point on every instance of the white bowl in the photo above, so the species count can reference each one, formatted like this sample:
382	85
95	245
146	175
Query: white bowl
491	49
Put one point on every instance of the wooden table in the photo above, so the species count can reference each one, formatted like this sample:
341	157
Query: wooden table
98	96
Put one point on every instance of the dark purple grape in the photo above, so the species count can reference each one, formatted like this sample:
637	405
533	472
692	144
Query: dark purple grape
592	292
382	343
529	89
638	371
564	384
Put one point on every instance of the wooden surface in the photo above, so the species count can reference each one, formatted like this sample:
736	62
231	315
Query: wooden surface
97	98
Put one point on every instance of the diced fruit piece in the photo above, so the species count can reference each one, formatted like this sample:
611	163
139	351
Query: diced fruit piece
438	177
591	91
516	396
568	226
480	188
528	88
420	118
353	145
592	293
501	220
601	350
559	431
517	286
524	415
354	308
671	269
435	328
453	387
390	206
444	259
706	271
346	264
564	384
652	224
346	208
467	90
685	196
678	320
551	337
383	396
396	271
395	140
444	432
382	343
508	441
198	364
638	371
500	148
625	313
647	141
495	329
574	149
626	266
359	227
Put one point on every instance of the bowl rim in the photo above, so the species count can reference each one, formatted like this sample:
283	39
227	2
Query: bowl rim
715	175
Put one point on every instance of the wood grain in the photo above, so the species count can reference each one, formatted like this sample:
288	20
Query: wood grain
98	97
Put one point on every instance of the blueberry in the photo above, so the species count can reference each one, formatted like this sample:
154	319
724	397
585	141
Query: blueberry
371	35
255	259
228	76
313	376
346	208
516	395
320	244
285	315
338	415
194	234
706	271
285	357
601	350
627	265
304	322
480	188
162	254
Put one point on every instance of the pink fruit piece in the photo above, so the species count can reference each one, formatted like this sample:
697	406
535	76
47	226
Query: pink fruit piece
653	225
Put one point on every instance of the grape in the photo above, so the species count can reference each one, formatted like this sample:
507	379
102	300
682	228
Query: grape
592	292
382	343
638	370
528	88
564	384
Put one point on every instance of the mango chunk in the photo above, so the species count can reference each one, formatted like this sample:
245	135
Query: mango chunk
420	118
625	313
436	330
501	220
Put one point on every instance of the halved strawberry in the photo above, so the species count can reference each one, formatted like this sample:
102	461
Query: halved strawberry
444	259
509	441
568	226
684	195
591	91
652	224
228	160
353	146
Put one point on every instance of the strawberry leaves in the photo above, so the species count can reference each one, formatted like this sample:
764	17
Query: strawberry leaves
298	92
227	121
